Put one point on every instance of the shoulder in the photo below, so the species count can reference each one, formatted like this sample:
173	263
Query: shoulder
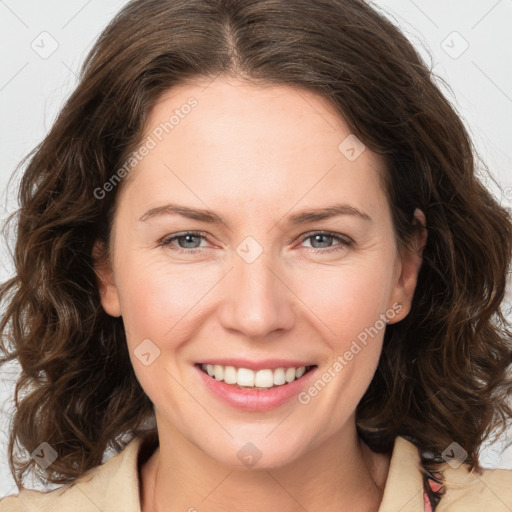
488	490
112	485
474	491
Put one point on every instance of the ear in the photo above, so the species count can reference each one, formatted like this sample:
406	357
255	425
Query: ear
409	264
105	279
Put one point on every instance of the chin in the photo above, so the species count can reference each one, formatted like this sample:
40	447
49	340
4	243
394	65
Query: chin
255	454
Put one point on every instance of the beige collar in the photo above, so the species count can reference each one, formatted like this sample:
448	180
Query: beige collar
404	486
114	487
403	490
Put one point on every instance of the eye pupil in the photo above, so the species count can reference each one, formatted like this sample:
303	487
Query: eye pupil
318	236
187	238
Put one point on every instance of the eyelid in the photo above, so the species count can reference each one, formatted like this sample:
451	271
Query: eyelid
166	240
345	242
346	239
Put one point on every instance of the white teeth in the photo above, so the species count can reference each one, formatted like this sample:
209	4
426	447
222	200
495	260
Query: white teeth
245	377
230	375
279	376
290	374
219	372
264	379
300	371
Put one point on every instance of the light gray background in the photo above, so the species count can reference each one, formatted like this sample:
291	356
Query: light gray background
35	83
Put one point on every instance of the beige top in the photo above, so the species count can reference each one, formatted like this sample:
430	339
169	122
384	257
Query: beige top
114	487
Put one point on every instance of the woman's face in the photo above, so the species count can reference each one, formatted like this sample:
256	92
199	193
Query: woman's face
254	283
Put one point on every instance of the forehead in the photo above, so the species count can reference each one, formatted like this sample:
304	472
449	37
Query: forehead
245	142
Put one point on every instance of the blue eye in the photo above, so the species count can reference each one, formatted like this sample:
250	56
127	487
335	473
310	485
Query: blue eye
327	237
189	242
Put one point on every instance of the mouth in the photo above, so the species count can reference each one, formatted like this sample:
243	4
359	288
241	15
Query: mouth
248	379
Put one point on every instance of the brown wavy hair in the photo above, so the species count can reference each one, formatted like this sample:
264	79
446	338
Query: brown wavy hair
442	376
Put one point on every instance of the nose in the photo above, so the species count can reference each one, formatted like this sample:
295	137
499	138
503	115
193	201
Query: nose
258	300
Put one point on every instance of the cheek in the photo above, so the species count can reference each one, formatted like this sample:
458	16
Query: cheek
159	300
346	299
346	305
162	304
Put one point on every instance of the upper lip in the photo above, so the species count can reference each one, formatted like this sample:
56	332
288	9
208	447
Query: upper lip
271	364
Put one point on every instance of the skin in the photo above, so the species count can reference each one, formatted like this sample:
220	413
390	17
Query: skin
255	155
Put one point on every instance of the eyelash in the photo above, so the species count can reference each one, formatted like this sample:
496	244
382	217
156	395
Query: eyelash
344	242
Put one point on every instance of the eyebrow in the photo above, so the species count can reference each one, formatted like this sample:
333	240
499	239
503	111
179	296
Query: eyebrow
303	217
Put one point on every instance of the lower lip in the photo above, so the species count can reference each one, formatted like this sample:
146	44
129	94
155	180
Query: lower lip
255	399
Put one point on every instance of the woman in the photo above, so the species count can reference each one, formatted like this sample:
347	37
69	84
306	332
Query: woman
253	257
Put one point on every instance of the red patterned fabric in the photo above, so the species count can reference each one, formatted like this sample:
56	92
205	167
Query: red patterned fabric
435	487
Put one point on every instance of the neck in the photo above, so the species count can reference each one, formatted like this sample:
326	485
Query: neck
341	473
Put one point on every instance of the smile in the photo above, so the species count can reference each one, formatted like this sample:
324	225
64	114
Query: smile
253	398
250	379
